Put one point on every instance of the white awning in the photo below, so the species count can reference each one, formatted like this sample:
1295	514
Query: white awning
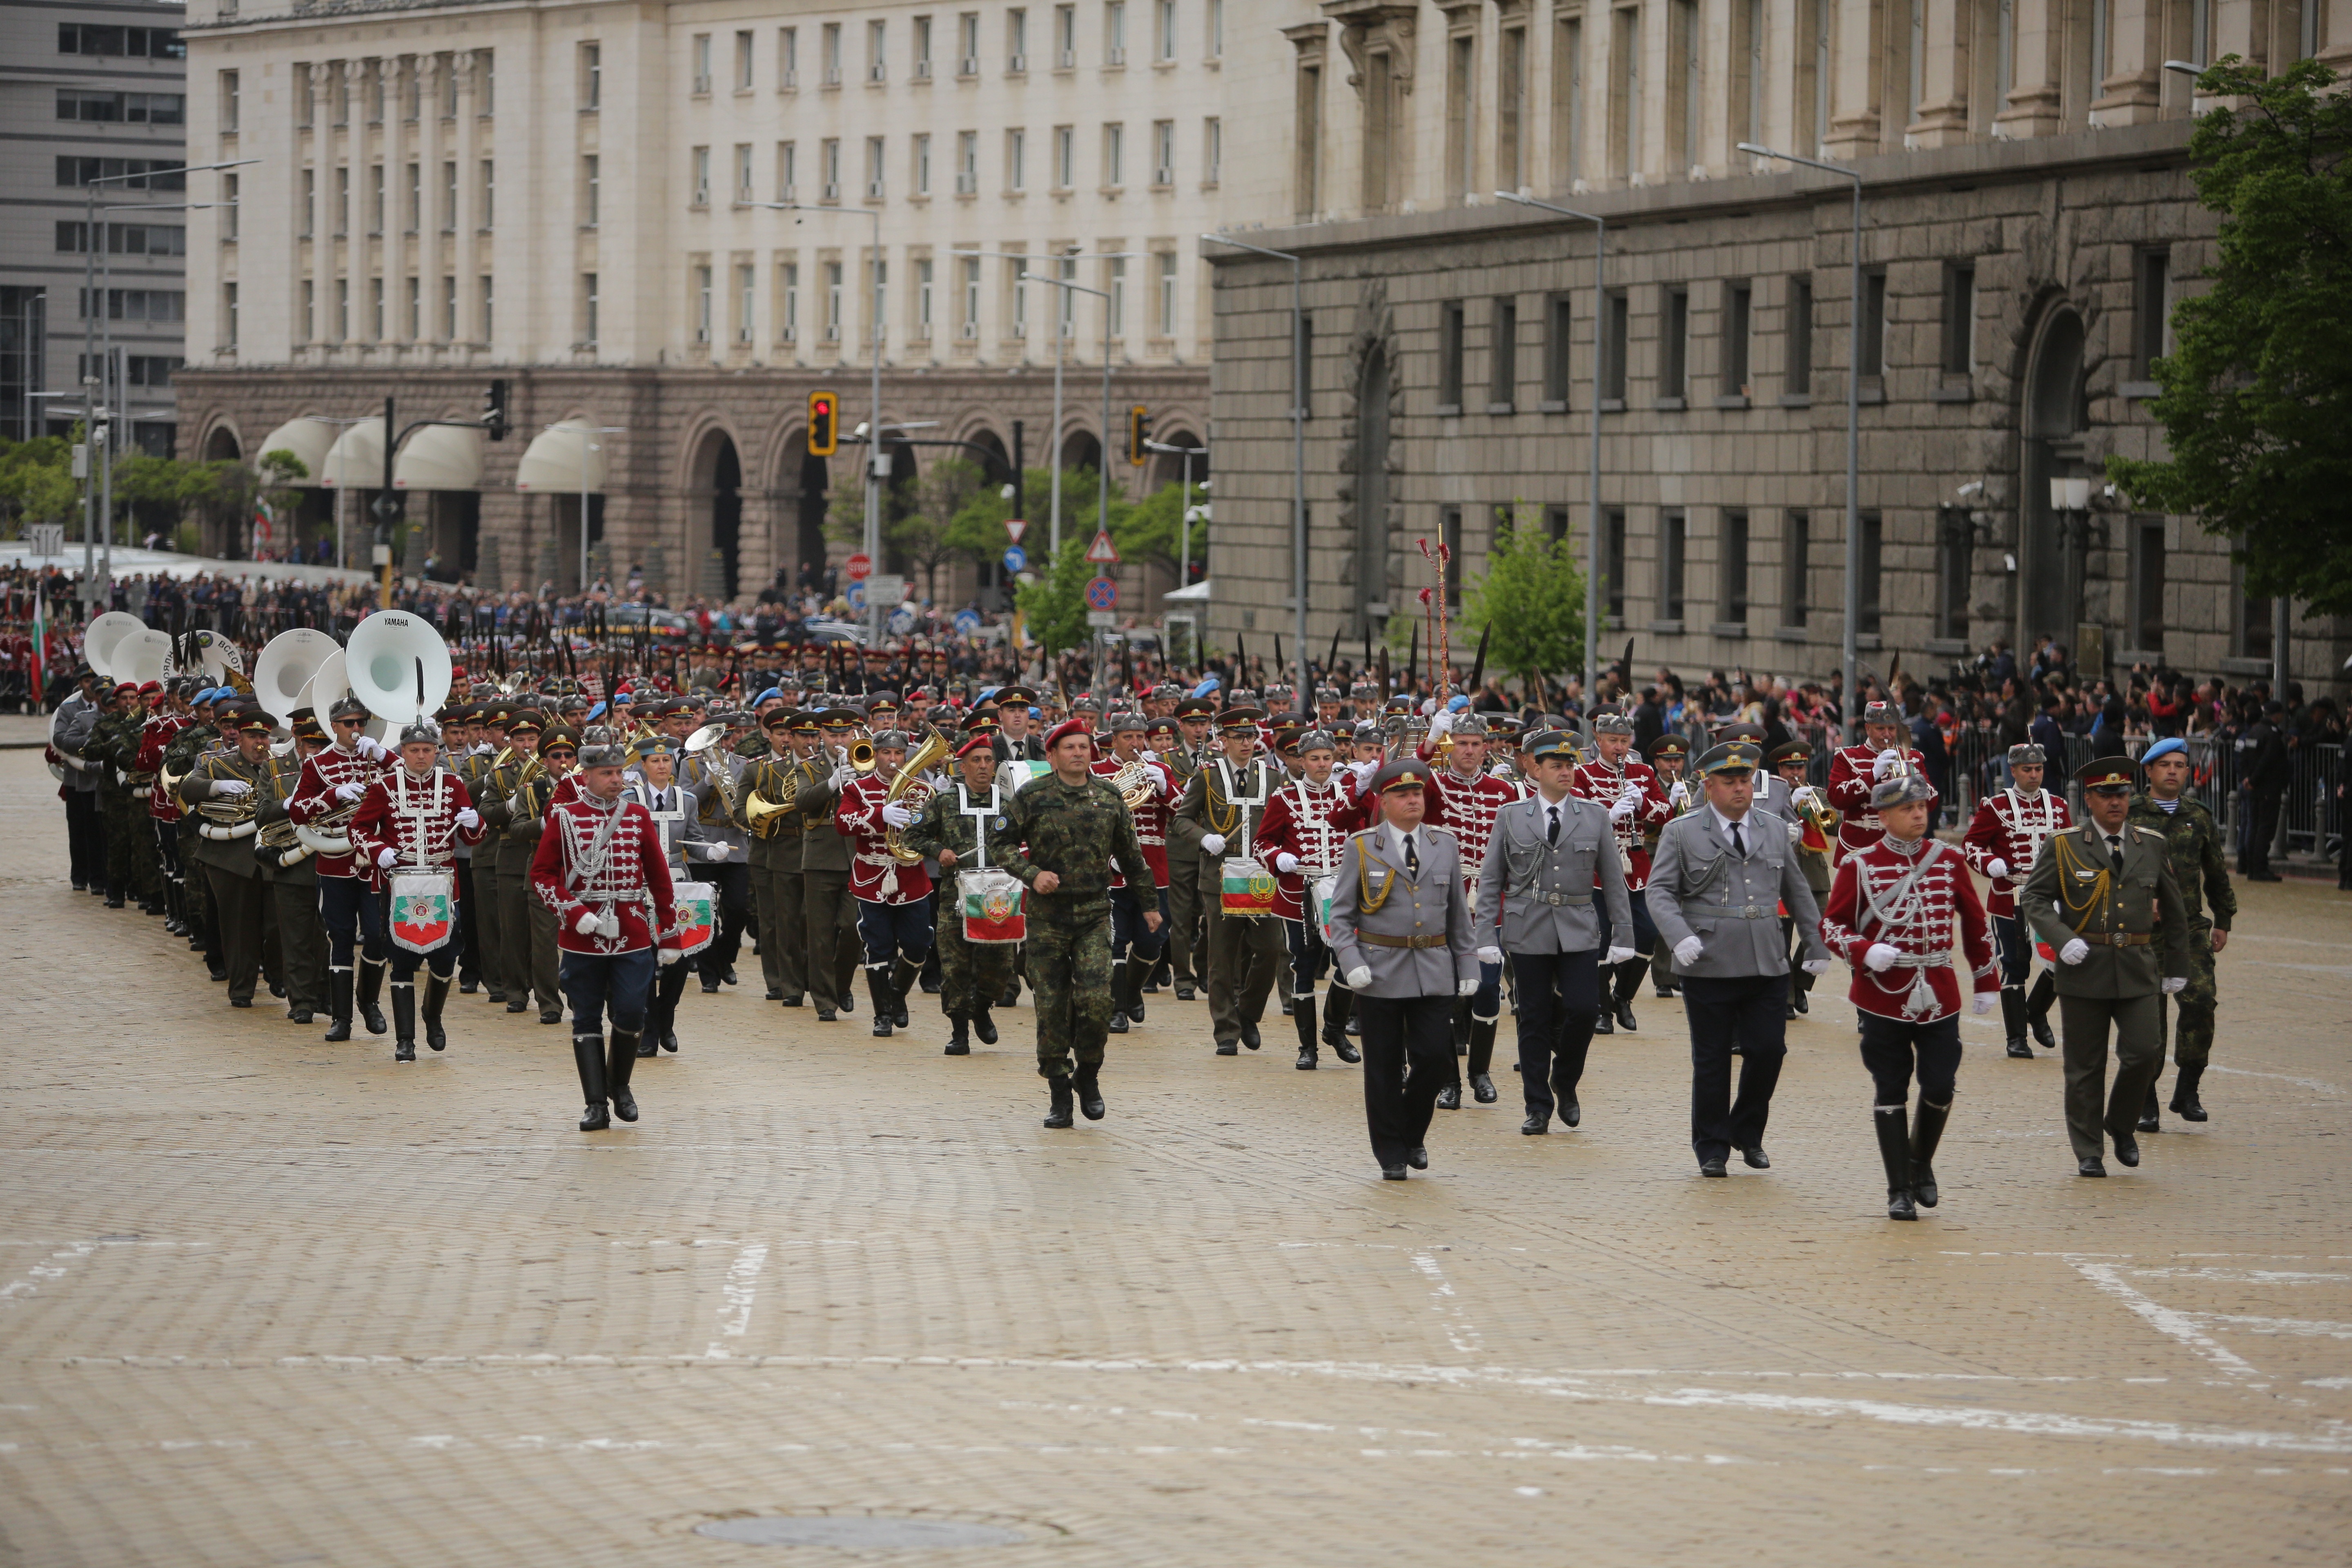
356	460
1198	593
439	457
567	457
309	439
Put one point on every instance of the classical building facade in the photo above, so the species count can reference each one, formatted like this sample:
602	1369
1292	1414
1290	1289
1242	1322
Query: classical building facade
580	200
2028	219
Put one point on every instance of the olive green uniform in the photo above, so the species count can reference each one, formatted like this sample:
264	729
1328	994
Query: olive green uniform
2076	890
482	914
972	975
292	926
1187	943
179	758
527	926
240	892
831	950
2193	844
1080	833
775	860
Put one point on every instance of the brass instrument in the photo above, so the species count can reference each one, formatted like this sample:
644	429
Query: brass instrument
764	818
929	755
169	782
228	817
1134	783
861	756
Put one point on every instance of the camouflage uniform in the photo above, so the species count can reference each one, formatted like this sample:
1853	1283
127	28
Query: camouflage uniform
972	975
1077	832
181	757
2193	845
114	746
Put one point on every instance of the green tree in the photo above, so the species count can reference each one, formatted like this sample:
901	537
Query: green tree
1529	600
1153	528
36	482
2258	391
1054	606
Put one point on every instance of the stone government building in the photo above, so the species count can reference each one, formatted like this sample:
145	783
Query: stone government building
550	194
2029	218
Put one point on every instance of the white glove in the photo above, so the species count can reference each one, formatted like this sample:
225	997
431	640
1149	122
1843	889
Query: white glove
1213	844
1981	1004
1365	770
587	923
1490	955
1886	762
1359	977
368	746
2174	985
897	814
1804	794
1997	868
669	956
1439	724
469	817
348	793
231	788
1617	955
1878	958
2074	952
1679	793
1149	755
1815	966
1688	950
385	860
1466	988
717	851
842	774
1285	862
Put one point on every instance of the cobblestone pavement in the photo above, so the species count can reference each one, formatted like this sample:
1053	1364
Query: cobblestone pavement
266	1300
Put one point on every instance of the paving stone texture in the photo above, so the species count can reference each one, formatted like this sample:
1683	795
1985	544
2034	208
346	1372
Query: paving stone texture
264	1300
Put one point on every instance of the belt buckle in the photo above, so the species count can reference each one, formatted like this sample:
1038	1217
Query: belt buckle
1747	912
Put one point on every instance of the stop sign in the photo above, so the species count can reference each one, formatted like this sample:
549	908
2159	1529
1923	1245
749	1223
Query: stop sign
859	567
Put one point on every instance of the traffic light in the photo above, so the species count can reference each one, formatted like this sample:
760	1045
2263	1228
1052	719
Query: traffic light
824	423
494	411
1139	431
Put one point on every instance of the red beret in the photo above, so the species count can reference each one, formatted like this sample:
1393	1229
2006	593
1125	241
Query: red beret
980	741
1069	727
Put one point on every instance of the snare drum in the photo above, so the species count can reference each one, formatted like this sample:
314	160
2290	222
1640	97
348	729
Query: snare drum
992	908
1248	889
424	909
697	916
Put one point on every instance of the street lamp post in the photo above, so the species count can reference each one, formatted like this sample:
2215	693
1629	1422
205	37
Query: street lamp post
1298	445
1592	507
587	445
1184	518
1102	478
1852	706
874	457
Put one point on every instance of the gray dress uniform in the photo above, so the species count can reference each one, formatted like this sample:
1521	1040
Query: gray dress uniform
1735	988
732	874
1536	891
1405	919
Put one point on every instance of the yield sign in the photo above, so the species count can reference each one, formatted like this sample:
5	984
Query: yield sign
1102	552
1016	527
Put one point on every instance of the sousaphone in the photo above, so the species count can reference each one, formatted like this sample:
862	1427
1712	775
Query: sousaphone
101	637
398	665
286	668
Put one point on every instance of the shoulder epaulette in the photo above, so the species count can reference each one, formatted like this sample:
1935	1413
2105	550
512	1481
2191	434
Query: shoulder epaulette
2152	832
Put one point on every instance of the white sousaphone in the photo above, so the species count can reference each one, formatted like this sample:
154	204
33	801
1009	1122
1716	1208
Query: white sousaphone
282	675
398	665
144	655
219	657
99	638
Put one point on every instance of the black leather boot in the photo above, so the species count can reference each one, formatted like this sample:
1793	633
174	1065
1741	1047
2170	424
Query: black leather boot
2185	1103
588	1056
1482	1057
1462	1025
983	1026
620	1060
1118	1025
2013	1021
339	1004
2148	1119
1131	1002
1926	1131
1338	1007
1895	1151
2037	1010
958	1035
904	973
371	990
1628	982
404	1016
436	992
1059	1116
1086	1083
877	986
1302	1015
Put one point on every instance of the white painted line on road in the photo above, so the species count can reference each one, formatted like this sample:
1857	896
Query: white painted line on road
1453	1313
48	1271
742	1289
2180	1326
2320	1084
2242	1276
2298	1326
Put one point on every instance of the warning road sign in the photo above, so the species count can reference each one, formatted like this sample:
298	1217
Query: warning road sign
1102	552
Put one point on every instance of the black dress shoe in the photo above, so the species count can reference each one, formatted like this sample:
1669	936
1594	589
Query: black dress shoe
1135	1014
793	1000
1450	1098
2092	1165
775	994
2041	1034
240	1001
647	1046
1228	1049
1663	992
279	991
728	974
595	1118
1625	1017
405	1051
1536	1124
625	1105
1604	1024
218	972
670	1041
1183	991
517	1004
1250	1036
826	1015
1801	1006
1118	1025
2127	1151
1392	1173
1306	1062
1346	1052
1712	1167
1418	1159
299	1016
468	988
2149	1122
1483	1087
551	1015
2019	1048
1755	1157
1571	1113
1788	1013
710	988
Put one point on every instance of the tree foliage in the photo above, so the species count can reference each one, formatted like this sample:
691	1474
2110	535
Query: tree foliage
2258	391
36	482
1529	600
1054	606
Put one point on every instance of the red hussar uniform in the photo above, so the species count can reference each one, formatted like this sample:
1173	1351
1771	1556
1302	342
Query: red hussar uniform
2011	828
314	797
1876	899
601	863
417	820
347	907
1133	948
894	918
1600	784
1151	816
1311	823
1852	771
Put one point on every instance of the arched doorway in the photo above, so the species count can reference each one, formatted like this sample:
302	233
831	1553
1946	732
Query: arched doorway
715	519
221	446
1081	449
1371	563
816	477
2051	554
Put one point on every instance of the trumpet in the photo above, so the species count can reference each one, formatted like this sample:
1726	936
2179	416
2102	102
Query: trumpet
906	786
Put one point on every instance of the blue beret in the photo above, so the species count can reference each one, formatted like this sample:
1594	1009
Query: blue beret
1458	701
2163	748
764	696
596	712
1206	689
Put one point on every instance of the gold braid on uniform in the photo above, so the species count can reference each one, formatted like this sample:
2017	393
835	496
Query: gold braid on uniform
1224	827
2068	862
1365	902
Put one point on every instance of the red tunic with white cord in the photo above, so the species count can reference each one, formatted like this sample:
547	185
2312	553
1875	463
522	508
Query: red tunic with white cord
157	735
1465	804
876	876
2011	828
1312	823
630	878
1601	784
1152	814
416	818
318	795
1916	901
1853	773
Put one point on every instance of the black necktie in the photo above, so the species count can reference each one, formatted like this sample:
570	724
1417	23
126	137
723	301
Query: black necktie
1551	834
1738	845
2115	849
1412	860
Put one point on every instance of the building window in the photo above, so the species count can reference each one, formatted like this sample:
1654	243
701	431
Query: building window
1163	153
1732	569
588	309
342	311
376	200
968	44
1798	378
702	64
1674	349
1016	41
306	325
878	53
449	309
413	311
1166	264
1568	102
304	220
1559	323
1307	140
1449	357
490	316
1960	317
788	171
411	216
1503	356
1461	83
970	328
486	94
1510	107
742	62
230	186
1673	540
1955	563
922	165
967	163
1163	35
1613	560
788	59
2147	567
1618	320
1872	346
923	278
592	78
830	150
591	189
877	301
702	290
123	107
873	155
833	301
1683	86
2151	298
228	315
375	309
1796	567
747	284
228	102
743	171
489	195
2251	637
1114	156
1625	94
1116	304
787	315
1212	148
1016	159
1555	523
829	42
1867	576
1015	268
1065	156
1114	32
343	198
1216	30
1068	299
1739	301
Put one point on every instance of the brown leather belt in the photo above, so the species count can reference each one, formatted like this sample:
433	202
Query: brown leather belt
1370	941
2117	939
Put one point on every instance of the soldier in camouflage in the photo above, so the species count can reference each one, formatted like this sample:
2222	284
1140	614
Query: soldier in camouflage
114	746
2193	845
1064	835
187	748
961	827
